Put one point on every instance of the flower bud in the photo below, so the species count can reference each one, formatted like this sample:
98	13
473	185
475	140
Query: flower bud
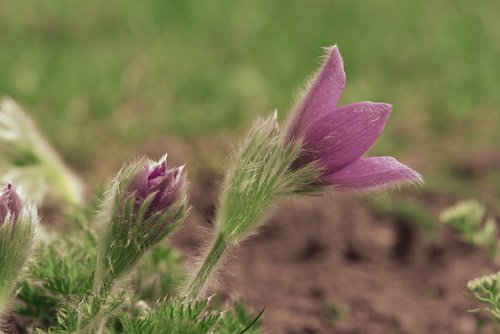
484	283
159	184
10	204
485	290
18	219
146	202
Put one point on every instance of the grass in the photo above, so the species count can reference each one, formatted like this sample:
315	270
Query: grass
98	72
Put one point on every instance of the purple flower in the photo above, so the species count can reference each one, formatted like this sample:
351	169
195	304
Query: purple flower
157	181
10	204
335	137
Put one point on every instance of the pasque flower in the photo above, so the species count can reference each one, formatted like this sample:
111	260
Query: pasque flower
336	137
322	147
260	175
18	220
145	203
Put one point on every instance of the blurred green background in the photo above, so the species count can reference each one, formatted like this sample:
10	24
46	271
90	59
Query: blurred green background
96	73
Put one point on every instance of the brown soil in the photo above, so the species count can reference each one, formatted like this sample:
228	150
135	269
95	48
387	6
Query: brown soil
329	265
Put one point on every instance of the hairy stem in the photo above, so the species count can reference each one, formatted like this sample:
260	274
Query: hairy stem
69	185
102	287
200	280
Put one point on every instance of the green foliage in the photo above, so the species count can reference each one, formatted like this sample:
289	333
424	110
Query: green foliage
62	294
37	305
57	296
238	320
486	290
65	268
174	316
179	316
61	270
85	315
468	219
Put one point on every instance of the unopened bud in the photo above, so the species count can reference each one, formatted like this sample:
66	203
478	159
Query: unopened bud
10	204
147	201
18	220
156	187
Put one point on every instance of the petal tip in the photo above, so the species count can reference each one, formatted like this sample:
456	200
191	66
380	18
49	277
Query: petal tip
379	106
332	50
375	108
374	174
334	58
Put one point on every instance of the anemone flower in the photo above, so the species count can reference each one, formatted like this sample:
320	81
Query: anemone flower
335	138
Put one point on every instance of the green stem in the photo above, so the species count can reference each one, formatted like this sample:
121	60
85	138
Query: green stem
70	187
94	324
102	287
208	266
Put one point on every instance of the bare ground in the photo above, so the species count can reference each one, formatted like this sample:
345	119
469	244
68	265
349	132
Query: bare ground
332	266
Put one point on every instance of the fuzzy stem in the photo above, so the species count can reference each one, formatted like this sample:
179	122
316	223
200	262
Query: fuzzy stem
102	287
69	185
103	283
97	322
200	280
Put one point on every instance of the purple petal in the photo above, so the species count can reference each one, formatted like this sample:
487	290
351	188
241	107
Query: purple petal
159	170
9	203
165	192
13	201
371	173
342	136
322	95
139	183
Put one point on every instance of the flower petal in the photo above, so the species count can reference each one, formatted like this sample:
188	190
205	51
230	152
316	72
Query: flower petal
166	188
371	173
159	170
321	96
341	137
139	183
